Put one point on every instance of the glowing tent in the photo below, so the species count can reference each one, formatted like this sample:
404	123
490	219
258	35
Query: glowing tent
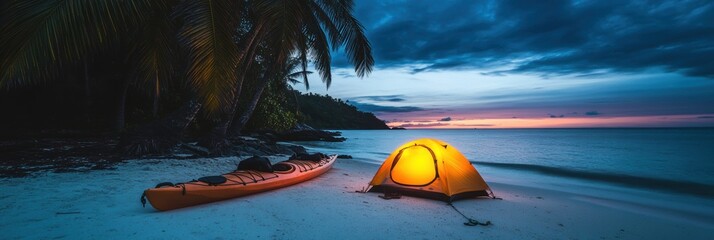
429	168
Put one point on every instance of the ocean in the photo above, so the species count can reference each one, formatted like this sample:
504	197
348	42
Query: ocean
668	162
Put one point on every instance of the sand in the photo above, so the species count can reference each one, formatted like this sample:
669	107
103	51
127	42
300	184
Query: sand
105	205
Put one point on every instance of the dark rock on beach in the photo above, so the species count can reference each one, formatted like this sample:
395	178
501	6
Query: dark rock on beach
23	156
20	158
310	135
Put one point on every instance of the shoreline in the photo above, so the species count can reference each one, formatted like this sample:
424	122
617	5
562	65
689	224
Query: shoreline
96	203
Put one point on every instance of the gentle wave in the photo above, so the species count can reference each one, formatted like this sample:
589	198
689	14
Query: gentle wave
675	186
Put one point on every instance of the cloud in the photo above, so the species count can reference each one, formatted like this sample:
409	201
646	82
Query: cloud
592	113
367	107
345	74
423	125
449	64
556	116
381	98
705	117
475	125
557	37
446	119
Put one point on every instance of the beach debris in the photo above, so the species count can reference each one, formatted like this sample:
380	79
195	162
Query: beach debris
470	221
391	195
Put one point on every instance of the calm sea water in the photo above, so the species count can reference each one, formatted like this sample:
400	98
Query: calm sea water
669	160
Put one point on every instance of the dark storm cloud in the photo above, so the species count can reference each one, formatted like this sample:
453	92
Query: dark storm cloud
367	107
543	37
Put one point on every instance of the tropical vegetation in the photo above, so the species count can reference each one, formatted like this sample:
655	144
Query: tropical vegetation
326	112
152	69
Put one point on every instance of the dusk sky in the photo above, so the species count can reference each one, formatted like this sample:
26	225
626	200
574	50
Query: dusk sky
512	64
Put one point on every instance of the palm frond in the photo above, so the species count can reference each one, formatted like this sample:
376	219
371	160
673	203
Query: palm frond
319	48
156	50
357	47
45	34
336	38
298	74
208	32
285	20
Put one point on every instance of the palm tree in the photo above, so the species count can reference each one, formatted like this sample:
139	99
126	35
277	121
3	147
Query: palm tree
42	37
307	29
289	74
304	28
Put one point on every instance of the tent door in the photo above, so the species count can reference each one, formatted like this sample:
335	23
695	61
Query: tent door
414	166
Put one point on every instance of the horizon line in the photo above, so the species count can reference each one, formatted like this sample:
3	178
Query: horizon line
526	128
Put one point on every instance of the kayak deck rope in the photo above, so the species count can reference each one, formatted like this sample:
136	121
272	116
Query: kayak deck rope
304	166
244	177
471	221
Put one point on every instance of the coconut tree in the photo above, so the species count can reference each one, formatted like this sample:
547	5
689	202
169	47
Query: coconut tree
41	38
309	30
290	74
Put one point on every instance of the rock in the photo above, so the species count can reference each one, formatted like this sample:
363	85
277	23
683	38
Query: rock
302	127
344	156
297	149
310	135
201	151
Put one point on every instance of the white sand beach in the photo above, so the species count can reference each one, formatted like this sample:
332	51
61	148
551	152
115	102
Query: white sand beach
105	205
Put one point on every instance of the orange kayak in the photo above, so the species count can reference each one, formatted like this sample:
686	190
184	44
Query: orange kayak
238	183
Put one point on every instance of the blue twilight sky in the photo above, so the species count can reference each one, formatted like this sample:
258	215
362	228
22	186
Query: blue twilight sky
534	63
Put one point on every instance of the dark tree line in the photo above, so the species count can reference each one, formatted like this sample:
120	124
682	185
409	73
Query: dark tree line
326	112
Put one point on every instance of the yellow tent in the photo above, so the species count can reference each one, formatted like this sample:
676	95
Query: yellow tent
429	168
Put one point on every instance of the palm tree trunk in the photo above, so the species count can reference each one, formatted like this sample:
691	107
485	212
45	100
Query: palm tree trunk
245	116
157	95
216	140
297	103
87	96
87	88
121	107
220	131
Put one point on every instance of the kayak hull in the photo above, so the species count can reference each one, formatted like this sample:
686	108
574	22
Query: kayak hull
240	183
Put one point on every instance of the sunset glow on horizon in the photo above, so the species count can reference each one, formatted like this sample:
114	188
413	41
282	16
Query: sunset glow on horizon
578	122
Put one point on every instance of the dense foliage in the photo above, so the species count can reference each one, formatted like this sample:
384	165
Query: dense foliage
149	69
274	111
325	112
